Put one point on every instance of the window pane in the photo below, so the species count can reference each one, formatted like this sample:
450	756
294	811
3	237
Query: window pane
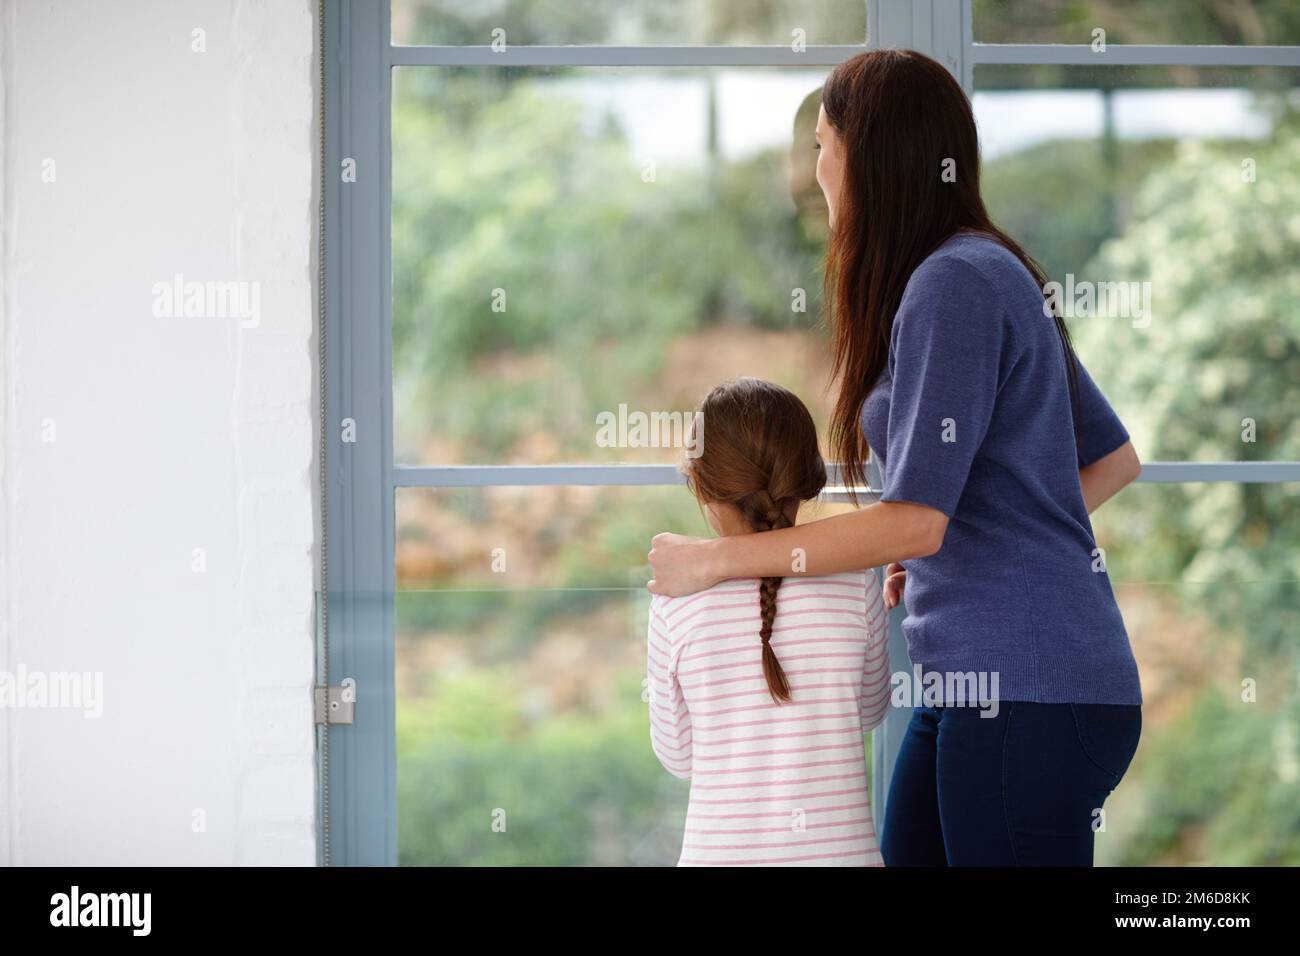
629	22
1269	22
1166	205
1208	579
519	688
574	248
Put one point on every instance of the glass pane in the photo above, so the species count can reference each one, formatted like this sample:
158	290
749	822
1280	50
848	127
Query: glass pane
519	689
629	22
520	620
576	248
1208	579
1269	22
1166	206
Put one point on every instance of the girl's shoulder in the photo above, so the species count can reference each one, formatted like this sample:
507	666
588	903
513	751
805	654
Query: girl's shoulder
856	578
725	593
857	585
855	581
670	608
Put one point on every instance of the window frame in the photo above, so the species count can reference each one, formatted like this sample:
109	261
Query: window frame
357	822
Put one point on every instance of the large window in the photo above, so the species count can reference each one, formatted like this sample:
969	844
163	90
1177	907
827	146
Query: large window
572	240
564	211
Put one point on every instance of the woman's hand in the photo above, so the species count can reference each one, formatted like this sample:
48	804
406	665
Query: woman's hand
680	565
895	579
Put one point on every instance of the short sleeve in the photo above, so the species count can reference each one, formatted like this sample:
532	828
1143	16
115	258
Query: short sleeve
1100	430
947	344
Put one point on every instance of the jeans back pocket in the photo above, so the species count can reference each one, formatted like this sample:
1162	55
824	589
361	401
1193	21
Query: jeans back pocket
1108	734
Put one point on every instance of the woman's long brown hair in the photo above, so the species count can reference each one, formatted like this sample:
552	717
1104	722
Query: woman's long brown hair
758	452
903	121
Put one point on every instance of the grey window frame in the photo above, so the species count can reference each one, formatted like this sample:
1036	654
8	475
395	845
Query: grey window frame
359	763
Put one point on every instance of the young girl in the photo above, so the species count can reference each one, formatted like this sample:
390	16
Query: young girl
760	693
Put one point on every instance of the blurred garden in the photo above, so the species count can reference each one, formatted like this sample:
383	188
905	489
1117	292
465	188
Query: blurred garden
566	240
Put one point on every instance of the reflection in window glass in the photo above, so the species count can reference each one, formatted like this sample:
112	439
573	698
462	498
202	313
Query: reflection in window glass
629	22
574	247
1269	22
1166	204
520	622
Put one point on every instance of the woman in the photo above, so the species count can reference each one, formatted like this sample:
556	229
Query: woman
994	446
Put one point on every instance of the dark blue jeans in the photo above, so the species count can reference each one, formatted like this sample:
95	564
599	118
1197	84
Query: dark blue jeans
1022	788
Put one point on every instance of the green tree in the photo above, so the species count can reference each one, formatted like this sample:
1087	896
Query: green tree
1222	350
505	181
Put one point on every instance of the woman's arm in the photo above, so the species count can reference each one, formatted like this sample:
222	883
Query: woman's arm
1100	482
1105	476
949	336
880	534
876	535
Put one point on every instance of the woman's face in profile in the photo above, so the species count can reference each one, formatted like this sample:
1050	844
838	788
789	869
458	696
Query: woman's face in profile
830	161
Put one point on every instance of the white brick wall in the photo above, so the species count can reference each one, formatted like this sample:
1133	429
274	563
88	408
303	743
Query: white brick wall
171	433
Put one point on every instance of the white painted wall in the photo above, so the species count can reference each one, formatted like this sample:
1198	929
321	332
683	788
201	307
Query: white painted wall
169	433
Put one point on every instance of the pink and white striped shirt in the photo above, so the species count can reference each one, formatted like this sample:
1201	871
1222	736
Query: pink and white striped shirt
775	784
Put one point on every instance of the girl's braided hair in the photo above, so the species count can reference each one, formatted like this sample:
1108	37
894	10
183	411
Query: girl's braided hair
756	448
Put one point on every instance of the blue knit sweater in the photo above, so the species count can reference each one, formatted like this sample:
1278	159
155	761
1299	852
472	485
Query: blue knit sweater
972	417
